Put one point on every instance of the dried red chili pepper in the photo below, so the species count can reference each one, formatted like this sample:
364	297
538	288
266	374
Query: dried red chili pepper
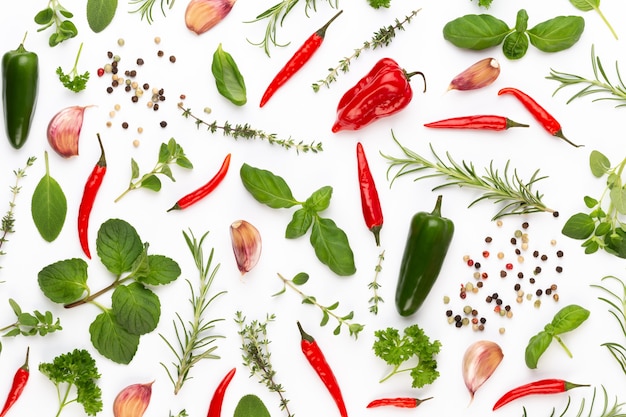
543	386
215	407
205	190
370	203
89	196
401	402
19	383
297	61
548	121
483	122
316	358
384	91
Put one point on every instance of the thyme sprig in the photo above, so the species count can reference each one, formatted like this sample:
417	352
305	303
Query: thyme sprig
614	411
375	285
381	38
145	8
600	84
617	303
518	196
276	15
245	131
195	340
257	356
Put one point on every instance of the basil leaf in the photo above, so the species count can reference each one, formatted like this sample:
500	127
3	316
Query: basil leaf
515	45
585	5
580	226
266	187
64	281
521	22
111	340
136	308
118	245
48	206
557	34
161	270
251	406
569	318
100	13
320	199
300	223
228	79
537	345
332	247
476	31
599	164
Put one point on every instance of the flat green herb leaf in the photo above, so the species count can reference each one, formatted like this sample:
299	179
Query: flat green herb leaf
118	245
617	243
569	318
557	34
251	406
320	199
111	340
44	16
476	32
300	223
332	247
521	23
579	226
599	163
515	45
301	278
537	345
136	308
134	169
266	187
100	13
585	5
48	206
64	281
228	79
161	270
151	182
618	199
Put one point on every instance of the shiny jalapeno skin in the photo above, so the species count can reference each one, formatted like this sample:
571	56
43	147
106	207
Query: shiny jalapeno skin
426	247
20	78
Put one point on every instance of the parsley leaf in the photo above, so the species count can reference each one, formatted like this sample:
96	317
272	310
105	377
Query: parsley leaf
75	369
73	80
484	3
377	4
397	349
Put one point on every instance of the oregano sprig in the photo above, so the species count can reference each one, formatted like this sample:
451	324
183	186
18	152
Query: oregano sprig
57	15
30	324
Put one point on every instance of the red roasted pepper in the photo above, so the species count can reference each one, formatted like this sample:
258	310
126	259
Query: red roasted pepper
384	91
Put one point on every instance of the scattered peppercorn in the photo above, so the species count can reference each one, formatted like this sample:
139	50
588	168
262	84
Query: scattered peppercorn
172	59
139	61
559	253
109	90
488	239
160	53
125	125
544	257
163	123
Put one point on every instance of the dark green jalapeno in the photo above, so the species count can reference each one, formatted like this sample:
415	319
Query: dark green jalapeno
426	247
20	78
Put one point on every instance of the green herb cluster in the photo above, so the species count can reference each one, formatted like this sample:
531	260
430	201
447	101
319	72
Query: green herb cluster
135	309
328	240
602	227
377	4
30	324
565	320
57	15
73	80
485	3
481	31
48	206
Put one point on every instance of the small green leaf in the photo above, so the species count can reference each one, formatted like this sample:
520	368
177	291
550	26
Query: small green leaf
537	345
319	200
579	226
134	169
64	281
112	340
100	13
27	319
66	13
515	45
617	243
151	182
301	278
228	79
161	270
183	162
44	16
325	318
602	229
166	150
48	206
167	171
17	310
118	245
476	31
300	223
136	308
590	202
333	306
557	34
585	5
521	22
599	163
266	187
569	318
251	406
68	29
332	247
618	199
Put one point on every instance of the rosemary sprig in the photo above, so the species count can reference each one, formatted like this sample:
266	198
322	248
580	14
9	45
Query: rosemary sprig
145	8
256	355
517	196
601	84
381	38
245	131
614	411
194	338
375	286
618	310
276	15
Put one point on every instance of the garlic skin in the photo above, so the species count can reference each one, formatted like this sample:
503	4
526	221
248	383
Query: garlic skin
202	15
480	361
479	75
64	130
246	241
133	400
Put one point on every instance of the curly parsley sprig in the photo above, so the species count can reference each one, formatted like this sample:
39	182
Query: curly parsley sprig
73	80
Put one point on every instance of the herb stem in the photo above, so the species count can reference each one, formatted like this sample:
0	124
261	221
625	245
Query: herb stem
89	298
560	341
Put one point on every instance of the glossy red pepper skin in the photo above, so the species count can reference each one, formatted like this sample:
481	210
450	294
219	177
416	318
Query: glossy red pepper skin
543	386
89	196
19	383
480	122
215	407
297	61
318	362
384	91
400	402
370	202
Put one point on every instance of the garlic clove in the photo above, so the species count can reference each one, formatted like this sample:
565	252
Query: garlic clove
246	241
479	75
202	15
133	400
64	130
480	361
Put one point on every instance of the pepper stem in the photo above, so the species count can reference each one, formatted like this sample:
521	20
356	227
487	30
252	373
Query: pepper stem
305	335
559	134
321	32
437	210
512	123
408	76
24	38
570	385
25	366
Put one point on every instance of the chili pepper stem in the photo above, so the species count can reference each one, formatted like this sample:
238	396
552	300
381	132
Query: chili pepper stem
560	341
512	123
321	32
560	135
410	74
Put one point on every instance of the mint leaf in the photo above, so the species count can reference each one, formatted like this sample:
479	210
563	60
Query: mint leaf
300	223
64	281
100	13
320	199
332	247
111	340
136	308
161	270
118	245
48	206
266	187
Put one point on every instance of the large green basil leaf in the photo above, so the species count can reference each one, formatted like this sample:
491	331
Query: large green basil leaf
586	5
569	318
228	78
100	13
515	45
332	247
537	345
112	340
557	34
266	187
118	245
64	281
300	223
136	308
474	31
48	206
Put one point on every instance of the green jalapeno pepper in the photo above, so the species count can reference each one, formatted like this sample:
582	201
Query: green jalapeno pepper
20	78
426	247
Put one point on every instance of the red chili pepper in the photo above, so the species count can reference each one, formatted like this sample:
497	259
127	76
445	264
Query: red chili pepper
483	122
543	386
548	121
205	190
297	61
316	358
384	91
19	382
215	407
370	203
401	402
89	196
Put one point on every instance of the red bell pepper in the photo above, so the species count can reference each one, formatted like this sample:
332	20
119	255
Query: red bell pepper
384	91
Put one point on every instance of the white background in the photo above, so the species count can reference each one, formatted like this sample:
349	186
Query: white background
297	111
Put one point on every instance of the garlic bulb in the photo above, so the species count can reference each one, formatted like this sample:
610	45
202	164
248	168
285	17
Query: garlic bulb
246	241
133	400
479	75
202	15
64	130
480	361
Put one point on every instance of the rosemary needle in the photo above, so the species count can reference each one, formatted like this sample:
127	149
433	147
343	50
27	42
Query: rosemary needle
145	8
